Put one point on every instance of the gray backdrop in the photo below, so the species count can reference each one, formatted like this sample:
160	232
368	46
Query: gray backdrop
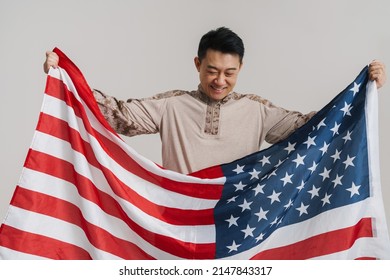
299	54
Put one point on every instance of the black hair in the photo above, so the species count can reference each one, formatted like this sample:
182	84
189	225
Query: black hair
223	40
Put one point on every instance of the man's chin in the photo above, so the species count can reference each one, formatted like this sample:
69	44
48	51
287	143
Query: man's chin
217	95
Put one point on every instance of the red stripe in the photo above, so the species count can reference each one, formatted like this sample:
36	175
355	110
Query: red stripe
319	245
66	211
57	89
82	86
61	169
61	129
209	173
39	245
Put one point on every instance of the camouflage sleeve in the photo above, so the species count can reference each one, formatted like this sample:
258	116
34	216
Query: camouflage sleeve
129	117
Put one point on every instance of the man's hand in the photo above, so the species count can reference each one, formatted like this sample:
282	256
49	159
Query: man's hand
377	73
51	61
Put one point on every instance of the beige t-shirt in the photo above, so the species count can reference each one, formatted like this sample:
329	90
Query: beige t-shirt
197	132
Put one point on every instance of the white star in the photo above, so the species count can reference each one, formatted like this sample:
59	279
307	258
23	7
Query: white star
262	214
287	179
314	192
239	169
240	186
279	163
324	149
254	174
347	137
349	162
280	220
274	196
289	204
259	189
335	129
299	160
313	167
233	247
290	147
232	221
355	88
302	209
274	222
354	189
301	186
265	160
233	199
346	109
248	231
336	156
322	123
260	237
325	174
337	181
326	198
272	174
310	141
245	205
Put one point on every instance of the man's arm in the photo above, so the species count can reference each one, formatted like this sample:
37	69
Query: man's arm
130	118
284	123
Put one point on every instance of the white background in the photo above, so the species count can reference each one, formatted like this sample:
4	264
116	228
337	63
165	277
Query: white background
299	54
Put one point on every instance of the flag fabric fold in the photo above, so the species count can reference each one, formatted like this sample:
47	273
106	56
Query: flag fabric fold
85	194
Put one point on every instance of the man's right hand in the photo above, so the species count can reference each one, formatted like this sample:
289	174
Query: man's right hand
51	61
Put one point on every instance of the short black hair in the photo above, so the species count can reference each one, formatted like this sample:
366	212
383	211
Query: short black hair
222	39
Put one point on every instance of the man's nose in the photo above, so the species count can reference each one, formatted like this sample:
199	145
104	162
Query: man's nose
220	80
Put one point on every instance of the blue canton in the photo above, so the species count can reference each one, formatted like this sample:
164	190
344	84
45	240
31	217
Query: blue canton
321	166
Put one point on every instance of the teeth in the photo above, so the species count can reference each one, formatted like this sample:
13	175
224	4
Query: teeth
219	89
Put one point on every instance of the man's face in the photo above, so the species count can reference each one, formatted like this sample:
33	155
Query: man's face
218	73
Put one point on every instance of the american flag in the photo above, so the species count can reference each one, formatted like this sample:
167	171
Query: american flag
85	194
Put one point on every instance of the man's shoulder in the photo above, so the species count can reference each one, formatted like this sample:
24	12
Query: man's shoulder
164	96
169	94
250	97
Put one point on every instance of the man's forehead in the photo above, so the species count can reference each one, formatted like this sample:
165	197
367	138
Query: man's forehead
209	66
219	60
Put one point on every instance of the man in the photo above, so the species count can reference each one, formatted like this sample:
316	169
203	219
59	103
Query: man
213	124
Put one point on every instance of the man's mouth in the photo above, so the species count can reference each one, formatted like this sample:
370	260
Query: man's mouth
218	89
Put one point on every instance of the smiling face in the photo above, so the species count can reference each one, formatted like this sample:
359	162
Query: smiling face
218	73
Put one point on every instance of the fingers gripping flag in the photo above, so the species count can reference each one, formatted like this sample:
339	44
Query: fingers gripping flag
84	194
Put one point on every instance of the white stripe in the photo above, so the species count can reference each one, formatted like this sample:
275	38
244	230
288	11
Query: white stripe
59	109
374	167
54	228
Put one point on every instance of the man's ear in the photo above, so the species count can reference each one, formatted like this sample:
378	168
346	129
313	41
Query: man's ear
197	63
